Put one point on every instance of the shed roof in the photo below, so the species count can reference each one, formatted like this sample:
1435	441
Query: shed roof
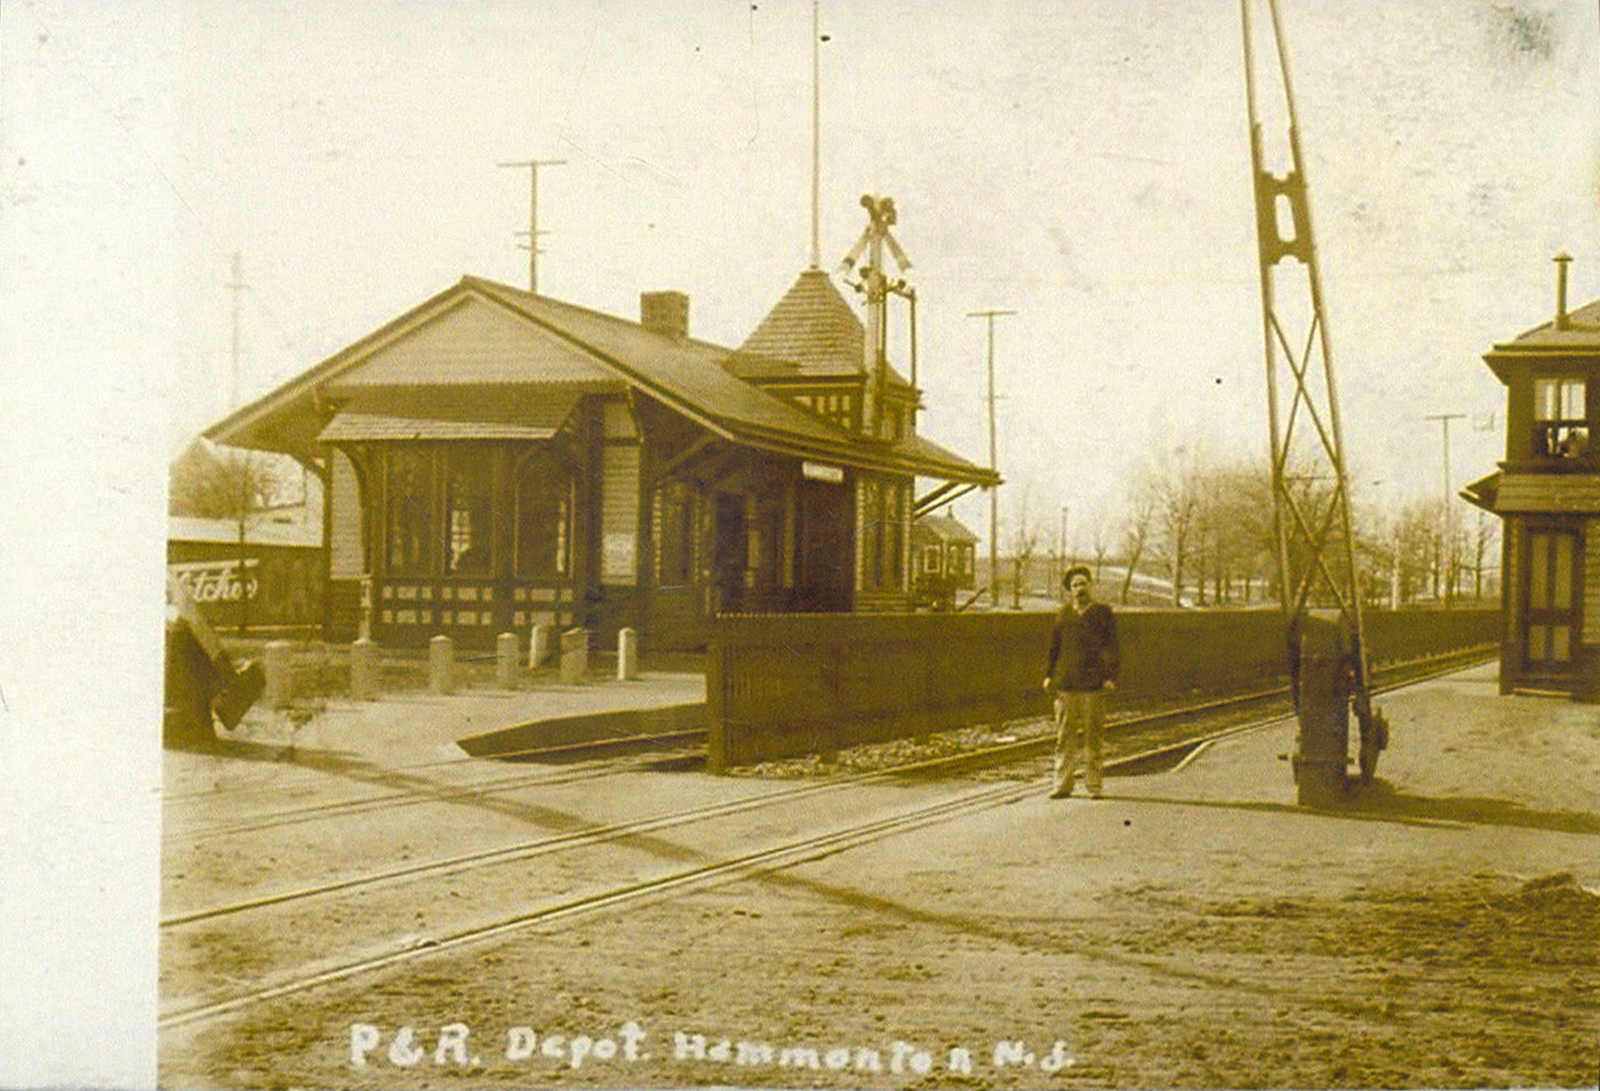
1483	493
523	411
1581	331
948	528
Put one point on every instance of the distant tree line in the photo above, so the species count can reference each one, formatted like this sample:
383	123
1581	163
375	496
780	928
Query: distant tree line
1206	526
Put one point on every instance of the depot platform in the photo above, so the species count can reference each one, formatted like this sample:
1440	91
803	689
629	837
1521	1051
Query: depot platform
418	726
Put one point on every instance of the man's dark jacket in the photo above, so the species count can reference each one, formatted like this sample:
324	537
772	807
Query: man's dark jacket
1083	648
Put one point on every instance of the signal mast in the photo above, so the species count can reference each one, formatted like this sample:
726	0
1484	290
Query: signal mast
876	286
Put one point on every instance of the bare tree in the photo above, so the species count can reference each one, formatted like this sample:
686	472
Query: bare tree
1024	543
1137	528
1174	480
1417	549
1101	547
221	483
1208	522
1481	541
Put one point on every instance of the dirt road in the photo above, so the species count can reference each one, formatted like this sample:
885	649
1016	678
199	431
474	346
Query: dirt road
1192	929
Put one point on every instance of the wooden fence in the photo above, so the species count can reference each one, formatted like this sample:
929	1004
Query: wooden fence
783	685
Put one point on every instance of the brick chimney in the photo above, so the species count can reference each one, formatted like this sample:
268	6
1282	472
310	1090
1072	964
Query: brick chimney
665	312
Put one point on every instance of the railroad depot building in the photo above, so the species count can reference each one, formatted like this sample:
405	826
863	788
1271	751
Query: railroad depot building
1547	495
494	458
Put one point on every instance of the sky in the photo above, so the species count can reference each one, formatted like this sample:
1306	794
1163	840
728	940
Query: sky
1083	163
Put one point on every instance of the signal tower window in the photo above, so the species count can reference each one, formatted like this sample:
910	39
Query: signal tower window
1560	418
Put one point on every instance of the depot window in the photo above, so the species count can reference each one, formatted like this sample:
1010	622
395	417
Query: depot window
883	526
409	488
674	532
544	519
1560	417
469	502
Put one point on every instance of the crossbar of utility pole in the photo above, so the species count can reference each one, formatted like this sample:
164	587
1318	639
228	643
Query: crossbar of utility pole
532	167
994	464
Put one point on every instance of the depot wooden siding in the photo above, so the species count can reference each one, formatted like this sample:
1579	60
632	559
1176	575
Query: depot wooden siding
1591	582
342	515
346	560
784	685
1529	492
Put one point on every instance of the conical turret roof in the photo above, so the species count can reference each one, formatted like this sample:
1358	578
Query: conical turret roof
812	328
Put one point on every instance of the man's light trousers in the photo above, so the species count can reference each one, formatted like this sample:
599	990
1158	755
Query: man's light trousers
1080	718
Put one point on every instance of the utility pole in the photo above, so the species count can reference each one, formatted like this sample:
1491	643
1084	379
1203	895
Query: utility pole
994	464
1065	509
532	167
1447	569
816	135
235	286
242	463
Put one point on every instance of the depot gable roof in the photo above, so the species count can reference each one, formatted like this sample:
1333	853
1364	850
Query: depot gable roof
479	334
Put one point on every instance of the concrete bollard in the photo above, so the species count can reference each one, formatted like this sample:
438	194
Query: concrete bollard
539	642
364	670
279	669
441	665
505	661
627	655
574	656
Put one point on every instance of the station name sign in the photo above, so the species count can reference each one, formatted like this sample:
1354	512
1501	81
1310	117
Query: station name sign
821	471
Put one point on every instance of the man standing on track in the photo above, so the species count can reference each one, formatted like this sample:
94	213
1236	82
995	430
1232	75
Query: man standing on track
1084	659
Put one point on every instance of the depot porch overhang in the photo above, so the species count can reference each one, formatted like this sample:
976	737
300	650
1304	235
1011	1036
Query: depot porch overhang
683	374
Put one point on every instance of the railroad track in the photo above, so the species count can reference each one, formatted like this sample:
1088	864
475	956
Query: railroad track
229	750
786	854
407	790
601	747
770	859
983	757
603	757
1388	679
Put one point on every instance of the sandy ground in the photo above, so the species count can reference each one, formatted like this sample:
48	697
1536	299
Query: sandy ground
1192	929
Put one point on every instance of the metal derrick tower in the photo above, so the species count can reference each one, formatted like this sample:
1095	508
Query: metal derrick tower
1319	583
